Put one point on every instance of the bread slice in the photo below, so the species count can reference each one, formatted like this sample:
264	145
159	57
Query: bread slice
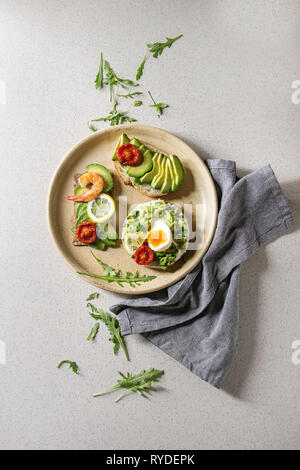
145	189
75	240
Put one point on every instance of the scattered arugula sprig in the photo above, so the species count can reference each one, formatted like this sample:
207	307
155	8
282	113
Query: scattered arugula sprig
158	106
155	49
140	70
93	332
112	326
111	79
92	296
131	95
113	275
114	117
140	383
72	365
99	78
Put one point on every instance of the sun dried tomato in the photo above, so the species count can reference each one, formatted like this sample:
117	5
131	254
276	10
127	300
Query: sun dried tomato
86	232
144	255
128	154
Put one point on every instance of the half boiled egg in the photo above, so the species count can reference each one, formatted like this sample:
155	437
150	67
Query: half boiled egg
160	236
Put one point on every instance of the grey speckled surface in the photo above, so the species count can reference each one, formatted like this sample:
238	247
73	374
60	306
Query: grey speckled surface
228	83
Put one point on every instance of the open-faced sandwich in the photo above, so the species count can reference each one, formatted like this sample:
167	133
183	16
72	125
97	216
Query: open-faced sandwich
93	208
155	234
152	173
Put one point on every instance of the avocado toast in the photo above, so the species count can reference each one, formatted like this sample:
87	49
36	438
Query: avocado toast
155	174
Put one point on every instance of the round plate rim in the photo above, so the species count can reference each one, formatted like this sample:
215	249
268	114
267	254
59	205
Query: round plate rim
111	287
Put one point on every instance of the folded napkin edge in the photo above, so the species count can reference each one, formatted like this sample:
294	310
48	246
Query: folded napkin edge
279	197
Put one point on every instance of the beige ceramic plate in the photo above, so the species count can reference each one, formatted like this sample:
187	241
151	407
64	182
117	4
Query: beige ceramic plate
198	188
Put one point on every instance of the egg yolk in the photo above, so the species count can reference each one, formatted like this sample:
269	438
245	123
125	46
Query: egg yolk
157	237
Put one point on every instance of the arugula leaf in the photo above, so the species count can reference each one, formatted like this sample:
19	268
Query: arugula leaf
72	365
137	103
116	276
132	280
92	296
111	79
157	48
93	332
81	213
158	106
112	326
106	267
140	383
131	95
99	78
140	70
92	307
98	244
91	127
115	117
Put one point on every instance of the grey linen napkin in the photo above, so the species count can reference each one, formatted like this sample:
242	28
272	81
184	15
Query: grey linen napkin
196	320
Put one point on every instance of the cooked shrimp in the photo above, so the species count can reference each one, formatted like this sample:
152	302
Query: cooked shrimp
93	178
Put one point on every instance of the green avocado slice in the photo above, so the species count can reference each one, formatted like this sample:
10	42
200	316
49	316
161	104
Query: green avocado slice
157	182
79	190
123	139
142	149
178	170
148	177
173	185
136	142
105	173
167	184
144	167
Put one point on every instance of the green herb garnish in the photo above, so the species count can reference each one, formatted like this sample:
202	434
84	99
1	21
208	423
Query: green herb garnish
155	49
93	332
167	257
91	127
140	383
112	326
81	213
99	78
111	79
131	95
72	365
116	275
115	117
137	103
158	106
140	70
92	296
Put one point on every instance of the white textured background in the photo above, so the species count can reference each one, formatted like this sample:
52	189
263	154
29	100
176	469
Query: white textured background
228	83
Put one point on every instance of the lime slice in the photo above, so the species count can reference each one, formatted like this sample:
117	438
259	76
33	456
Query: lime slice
133	241
101	208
